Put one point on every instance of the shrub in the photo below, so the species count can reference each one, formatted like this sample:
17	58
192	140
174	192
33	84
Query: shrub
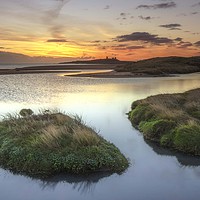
187	139
167	139
155	129
142	112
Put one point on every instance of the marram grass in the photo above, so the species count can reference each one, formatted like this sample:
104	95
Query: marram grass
52	142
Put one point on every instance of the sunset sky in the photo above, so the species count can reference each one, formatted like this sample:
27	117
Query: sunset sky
57	30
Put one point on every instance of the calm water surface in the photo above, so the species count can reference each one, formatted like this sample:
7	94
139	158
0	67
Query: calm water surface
154	174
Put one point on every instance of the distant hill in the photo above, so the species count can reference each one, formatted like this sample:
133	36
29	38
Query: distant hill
98	61
162	66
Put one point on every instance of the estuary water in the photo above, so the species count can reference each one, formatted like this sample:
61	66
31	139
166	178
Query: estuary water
154	174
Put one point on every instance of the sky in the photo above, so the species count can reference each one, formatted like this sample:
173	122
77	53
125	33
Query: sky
65	30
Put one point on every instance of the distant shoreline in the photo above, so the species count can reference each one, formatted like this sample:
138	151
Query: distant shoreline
113	68
56	69
93	72
114	74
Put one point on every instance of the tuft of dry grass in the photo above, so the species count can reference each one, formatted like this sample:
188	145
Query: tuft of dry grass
179	107
52	135
85	136
55	130
173	120
52	142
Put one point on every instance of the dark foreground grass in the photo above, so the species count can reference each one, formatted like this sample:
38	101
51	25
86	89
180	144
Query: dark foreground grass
172	120
51	143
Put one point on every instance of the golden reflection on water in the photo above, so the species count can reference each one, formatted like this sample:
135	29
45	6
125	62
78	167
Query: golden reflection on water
75	94
133	89
85	72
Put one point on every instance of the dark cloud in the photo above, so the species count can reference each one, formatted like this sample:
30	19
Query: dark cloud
123	14
57	40
178	39
184	45
135	47
194	13
99	41
145	18
158	6
120	45
171	26
127	47
96	41
107	7
2	47
197	44
144	37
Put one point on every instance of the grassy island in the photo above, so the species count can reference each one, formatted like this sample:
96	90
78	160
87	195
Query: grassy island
171	120
50	143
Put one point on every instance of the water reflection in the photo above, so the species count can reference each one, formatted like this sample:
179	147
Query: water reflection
183	159
103	103
82	183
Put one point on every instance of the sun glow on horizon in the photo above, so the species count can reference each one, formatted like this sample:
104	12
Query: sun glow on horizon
83	30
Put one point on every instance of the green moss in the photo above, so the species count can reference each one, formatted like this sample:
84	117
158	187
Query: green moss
134	104
142	112
171	120
187	139
167	140
155	129
47	144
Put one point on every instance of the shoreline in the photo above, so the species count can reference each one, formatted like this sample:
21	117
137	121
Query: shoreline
55	69
93	71
14	72
80	73
97	71
114	74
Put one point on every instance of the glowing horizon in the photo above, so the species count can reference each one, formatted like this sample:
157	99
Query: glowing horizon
76	29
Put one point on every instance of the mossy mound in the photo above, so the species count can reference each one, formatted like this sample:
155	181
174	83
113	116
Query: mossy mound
50	143
172	120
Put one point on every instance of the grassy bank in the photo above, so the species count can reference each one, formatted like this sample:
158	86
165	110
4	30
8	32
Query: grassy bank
52	142
171	120
162	66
